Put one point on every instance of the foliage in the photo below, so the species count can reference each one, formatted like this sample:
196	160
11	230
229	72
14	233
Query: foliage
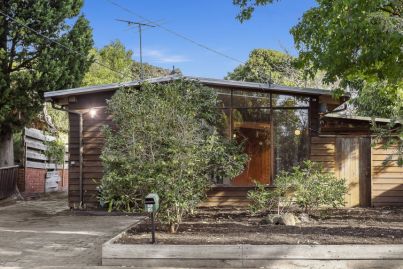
358	43
169	145
315	188
55	150
271	66
306	186
30	64
117	57
248	7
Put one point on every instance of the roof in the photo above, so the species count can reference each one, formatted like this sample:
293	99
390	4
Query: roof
205	81
353	117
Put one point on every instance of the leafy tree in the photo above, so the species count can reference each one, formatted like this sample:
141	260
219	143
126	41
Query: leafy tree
31	65
165	141
118	58
358	43
271	66
121	68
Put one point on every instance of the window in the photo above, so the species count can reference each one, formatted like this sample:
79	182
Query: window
250	99
224	98
273	129
291	138
281	100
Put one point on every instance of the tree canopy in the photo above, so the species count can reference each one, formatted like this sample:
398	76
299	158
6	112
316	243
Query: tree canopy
34	58
121	65
271	66
356	42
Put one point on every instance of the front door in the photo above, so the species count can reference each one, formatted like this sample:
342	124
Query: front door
256	139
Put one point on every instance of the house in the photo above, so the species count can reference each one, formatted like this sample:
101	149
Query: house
281	126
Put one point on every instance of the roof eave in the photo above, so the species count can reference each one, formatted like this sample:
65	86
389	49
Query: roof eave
208	81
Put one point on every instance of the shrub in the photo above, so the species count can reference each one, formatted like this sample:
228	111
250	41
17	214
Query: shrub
315	188
55	150
307	186
278	198
165	141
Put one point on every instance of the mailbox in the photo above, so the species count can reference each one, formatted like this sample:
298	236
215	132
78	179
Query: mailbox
152	202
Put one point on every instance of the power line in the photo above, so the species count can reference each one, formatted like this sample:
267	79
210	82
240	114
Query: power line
176	33
58	43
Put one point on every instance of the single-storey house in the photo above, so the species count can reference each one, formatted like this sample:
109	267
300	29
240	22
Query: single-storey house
281	126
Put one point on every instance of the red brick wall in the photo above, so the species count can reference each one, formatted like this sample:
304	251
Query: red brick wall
64	180
32	180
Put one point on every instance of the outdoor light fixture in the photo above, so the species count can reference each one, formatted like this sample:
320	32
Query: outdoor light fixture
297	132
92	112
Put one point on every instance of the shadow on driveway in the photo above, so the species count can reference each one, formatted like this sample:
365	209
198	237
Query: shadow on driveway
45	232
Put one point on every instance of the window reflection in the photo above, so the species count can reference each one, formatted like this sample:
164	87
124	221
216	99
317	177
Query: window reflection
250	99
275	139
281	100
252	128
224	125
291	138
224	98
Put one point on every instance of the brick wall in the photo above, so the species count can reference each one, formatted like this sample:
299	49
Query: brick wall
35	180
64	180
32	180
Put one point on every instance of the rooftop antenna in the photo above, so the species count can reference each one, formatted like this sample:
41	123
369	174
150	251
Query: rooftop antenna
140	25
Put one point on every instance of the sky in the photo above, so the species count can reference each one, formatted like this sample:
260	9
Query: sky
208	22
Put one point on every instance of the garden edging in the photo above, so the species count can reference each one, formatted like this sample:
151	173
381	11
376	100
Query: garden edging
243	255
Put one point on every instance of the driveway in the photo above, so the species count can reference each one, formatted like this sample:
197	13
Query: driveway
45	232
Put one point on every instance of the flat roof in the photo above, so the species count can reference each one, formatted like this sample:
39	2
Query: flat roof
205	81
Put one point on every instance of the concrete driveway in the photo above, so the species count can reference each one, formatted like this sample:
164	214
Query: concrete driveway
44	232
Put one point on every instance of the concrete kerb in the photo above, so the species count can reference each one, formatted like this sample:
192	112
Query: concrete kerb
250	256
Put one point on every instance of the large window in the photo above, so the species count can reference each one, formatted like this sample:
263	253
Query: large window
272	127
291	138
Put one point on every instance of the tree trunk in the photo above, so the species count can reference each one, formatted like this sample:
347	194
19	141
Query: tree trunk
6	149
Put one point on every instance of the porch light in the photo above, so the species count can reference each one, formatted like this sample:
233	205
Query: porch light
92	112
297	132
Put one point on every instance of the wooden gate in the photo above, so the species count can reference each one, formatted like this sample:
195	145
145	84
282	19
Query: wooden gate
349	158
353	160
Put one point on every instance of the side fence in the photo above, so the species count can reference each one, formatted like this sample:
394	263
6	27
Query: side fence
8	181
39	174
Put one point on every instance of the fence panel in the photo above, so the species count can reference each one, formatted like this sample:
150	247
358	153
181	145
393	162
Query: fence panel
8	181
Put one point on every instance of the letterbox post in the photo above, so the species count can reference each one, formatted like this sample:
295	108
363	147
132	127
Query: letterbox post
151	204
152	228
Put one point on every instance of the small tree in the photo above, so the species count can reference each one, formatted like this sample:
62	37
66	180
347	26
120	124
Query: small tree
165	141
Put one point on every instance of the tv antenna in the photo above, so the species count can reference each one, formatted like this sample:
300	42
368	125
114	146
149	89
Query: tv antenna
140	25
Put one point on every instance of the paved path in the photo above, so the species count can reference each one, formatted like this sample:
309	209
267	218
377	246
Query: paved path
45	233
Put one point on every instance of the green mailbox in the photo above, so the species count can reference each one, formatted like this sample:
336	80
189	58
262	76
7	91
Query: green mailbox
152	202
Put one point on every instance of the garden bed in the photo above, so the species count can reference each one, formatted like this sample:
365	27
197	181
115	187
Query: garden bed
237	226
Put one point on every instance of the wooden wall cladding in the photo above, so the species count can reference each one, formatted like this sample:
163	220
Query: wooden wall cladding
387	177
92	142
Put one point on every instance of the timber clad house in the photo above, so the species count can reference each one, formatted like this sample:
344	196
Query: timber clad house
281	127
